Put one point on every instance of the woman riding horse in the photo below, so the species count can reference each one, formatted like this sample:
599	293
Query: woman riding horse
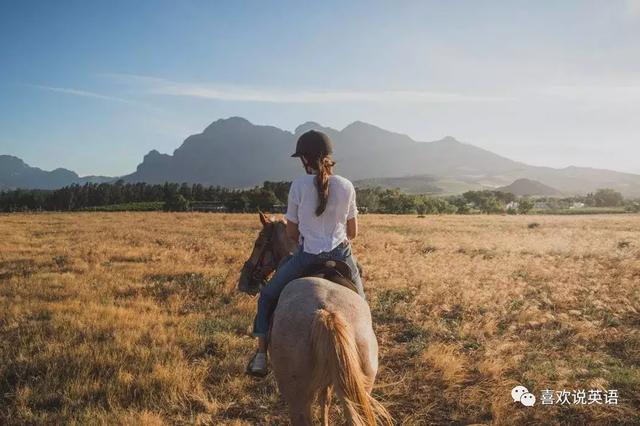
322	218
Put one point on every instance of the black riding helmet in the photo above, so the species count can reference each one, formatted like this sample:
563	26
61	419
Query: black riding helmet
313	144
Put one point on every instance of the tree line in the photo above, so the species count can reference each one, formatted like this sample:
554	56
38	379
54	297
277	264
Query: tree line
272	196
174	196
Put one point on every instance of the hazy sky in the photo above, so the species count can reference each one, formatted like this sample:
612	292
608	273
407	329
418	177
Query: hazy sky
94	85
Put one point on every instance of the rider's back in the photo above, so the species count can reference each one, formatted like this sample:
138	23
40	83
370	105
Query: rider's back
321	233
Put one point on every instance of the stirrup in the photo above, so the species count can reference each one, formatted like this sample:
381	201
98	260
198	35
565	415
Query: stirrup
250	371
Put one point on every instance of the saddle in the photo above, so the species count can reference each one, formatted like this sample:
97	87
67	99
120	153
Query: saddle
335	271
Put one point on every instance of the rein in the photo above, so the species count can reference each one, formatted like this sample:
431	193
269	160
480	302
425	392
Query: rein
256	270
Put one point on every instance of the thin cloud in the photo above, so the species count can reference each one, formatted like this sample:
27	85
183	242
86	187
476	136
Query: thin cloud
594	93
160	86
83	93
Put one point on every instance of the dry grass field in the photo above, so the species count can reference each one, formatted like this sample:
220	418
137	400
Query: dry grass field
133	318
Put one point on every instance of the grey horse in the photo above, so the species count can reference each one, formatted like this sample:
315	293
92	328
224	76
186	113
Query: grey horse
321	338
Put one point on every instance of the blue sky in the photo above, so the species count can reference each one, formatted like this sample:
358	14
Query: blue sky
93	86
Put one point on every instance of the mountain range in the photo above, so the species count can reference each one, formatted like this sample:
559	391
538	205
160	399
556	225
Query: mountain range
235	153
528	187
15	173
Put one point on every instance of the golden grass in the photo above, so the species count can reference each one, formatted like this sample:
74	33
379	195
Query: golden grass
133	318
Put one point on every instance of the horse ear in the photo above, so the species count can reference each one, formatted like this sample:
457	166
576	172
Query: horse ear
263	218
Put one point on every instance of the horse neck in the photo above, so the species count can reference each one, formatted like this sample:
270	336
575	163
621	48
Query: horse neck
282	244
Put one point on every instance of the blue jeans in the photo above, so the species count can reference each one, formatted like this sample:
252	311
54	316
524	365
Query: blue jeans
289	271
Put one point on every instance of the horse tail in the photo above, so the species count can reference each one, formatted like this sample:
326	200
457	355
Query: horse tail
336	361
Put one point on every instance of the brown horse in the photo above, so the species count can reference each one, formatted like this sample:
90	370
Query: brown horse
321	338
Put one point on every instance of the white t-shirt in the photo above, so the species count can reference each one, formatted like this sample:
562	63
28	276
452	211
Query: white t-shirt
325	232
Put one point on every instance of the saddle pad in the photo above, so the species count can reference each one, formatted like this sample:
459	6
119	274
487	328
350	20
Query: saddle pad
332	270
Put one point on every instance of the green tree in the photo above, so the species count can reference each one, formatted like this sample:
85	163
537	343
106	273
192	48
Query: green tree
607	197
460	203
488	201
525	205
185	191
280	189
263	199
368	199
176	203
491	204
395	201
237	201
633	207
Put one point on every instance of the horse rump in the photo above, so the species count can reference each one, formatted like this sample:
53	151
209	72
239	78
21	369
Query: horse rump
336	363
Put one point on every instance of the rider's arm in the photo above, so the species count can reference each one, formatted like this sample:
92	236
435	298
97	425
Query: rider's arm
291	216
352	215
352	228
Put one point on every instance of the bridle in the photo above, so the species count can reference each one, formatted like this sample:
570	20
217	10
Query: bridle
260	270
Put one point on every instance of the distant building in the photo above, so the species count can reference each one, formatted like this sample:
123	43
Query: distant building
207	206
577	205
513	205
279	208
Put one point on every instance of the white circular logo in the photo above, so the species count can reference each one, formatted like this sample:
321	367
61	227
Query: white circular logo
528	399
517	392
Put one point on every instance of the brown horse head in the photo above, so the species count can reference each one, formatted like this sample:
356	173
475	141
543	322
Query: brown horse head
269	249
